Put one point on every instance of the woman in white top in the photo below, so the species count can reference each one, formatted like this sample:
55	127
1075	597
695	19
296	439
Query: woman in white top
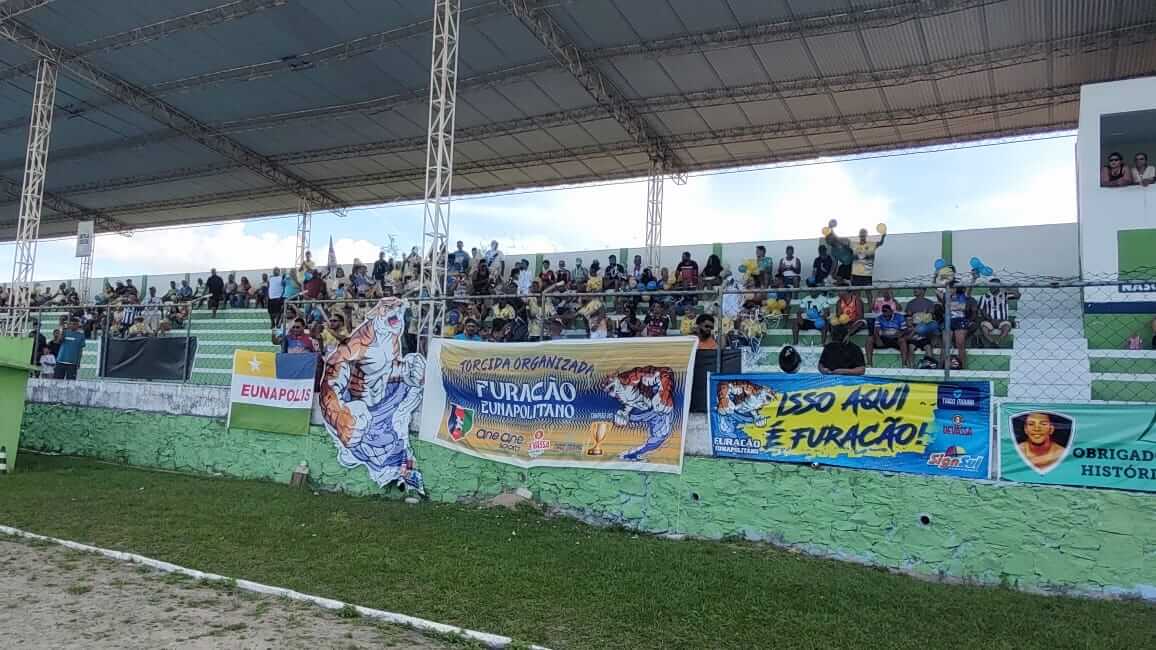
1143	173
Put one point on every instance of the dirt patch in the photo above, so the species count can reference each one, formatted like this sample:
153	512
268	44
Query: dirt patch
53	597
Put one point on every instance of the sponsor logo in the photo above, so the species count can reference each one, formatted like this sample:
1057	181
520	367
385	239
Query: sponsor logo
959	398
1137	287
505	439
539	444
955	458
957	427
459	422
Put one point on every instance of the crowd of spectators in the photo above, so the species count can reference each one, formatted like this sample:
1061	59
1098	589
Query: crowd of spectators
1117	173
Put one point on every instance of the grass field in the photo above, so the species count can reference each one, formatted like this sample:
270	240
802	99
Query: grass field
537	579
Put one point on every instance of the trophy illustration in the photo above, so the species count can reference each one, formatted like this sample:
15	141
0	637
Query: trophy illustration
598	432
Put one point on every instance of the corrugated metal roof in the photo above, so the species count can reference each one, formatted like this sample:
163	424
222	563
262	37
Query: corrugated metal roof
335	91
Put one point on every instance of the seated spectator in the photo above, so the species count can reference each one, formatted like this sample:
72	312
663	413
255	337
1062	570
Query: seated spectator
615	276
335	334
890	331
504	310
244	293
164	328
563	276
814	313
645	279
712	272
764	269
1143	174
657	322
231	288
185	292
841	356
539	312
790	268
469	331
686	273
636	269
886	297
1115	173
923	324
581	275
629	326
172	294
594	282
594	313
705	332
1134	342
481	282
200	291
178	315
995	320
962	311
138	328
849	312
129	289
665	280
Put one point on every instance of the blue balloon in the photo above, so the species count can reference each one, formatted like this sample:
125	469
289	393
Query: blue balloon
986	271
976	263
652	285
820	323
812	314
939	264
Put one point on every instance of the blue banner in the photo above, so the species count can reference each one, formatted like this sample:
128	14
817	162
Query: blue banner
861	422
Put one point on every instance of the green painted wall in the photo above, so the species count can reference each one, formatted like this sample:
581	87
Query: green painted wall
1020	535
1136	253
1111	331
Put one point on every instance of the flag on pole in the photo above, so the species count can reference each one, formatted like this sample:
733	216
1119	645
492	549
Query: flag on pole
332	263
272	391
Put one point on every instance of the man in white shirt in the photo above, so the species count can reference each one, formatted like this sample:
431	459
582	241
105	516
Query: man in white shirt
815	305
1142	173
496	261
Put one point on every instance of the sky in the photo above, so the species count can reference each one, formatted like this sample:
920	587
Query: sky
969	186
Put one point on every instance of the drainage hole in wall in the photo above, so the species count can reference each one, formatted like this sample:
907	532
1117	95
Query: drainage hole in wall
694	496
924	520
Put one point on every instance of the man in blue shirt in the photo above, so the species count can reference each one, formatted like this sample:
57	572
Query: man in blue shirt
889	332
71	348
469	331
459	260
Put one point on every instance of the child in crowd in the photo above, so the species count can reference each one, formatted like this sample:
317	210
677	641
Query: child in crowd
47	363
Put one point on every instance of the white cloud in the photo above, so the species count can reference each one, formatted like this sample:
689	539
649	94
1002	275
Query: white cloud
1045	196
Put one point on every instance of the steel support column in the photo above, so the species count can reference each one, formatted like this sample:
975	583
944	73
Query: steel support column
85	288
31	196
654	186
304	232
439	167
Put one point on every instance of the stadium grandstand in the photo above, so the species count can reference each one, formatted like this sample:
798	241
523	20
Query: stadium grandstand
148	115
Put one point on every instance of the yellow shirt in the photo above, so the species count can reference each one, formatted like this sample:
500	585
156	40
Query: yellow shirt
505	313
864	264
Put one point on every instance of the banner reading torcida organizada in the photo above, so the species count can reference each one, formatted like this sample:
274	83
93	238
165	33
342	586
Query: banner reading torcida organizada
608	404
861	422
1105	446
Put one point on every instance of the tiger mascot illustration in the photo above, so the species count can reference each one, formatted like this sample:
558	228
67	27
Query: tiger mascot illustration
738	403
647	397
369	394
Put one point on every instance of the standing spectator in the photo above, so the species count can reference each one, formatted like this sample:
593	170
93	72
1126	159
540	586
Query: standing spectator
821	268
291	285
71	351
276	300
215	287
686	273
129	289
843	255
37	341
1115	173
841	356
481	281
54	343
152	311
381	269
262	292
764	267
995	319
459	261
704	330
495	261
849	312
790	268
1142	173
47	363
411	266
863	267
657	322
547	278
296	341
307	264
522	280
889	331
314	286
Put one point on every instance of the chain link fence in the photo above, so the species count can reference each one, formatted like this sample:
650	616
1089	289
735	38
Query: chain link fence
1035	341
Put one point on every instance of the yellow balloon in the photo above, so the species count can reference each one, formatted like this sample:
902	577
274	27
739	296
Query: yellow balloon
826	231
781	304
881	229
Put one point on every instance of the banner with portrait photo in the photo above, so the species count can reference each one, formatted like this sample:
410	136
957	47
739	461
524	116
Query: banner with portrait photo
604	404
861	422
1102	445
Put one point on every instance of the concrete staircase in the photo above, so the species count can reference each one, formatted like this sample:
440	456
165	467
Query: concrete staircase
1050	360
